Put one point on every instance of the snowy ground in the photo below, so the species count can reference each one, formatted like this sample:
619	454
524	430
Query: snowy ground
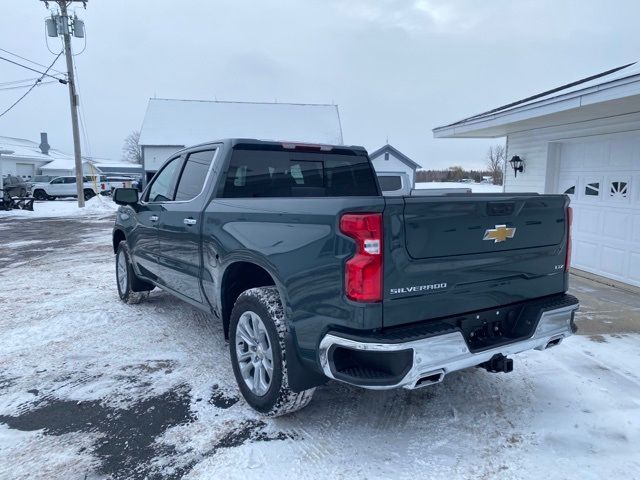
475	187
92	388
65	207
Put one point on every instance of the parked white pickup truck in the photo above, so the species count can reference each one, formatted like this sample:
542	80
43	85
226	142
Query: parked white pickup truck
61	187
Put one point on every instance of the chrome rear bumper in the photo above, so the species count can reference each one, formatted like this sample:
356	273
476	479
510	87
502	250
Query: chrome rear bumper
436	356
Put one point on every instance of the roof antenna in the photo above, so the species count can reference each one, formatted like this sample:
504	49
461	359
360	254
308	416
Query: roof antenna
387	139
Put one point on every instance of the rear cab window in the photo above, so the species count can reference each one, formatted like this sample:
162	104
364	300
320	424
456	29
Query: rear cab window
275	171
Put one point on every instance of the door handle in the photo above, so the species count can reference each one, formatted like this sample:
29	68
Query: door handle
190	221
153	218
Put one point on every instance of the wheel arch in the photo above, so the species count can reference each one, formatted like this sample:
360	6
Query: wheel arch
117	237
239	276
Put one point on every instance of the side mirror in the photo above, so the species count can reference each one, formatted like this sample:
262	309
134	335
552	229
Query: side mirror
125	196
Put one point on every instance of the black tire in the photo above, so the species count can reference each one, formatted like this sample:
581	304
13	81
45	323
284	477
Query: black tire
132	290
51	197
40	195
278	399
89	194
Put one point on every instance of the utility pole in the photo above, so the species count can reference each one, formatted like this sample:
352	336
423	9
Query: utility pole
61	25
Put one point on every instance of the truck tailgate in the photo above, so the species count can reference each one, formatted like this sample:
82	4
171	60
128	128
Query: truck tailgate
453	254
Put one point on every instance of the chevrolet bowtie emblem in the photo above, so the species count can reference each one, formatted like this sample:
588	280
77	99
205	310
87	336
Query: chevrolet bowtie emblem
499	234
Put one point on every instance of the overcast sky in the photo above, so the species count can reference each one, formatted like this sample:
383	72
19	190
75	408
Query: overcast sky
396	68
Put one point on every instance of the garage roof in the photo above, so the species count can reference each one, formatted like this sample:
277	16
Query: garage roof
612	92
27	149
187	122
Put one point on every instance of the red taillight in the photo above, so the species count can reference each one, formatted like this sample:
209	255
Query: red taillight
567	260
103	186
363	271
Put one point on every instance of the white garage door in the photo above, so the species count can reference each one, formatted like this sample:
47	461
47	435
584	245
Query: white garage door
25	170
602	177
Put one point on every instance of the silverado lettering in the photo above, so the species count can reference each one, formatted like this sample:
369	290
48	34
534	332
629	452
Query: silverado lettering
417	288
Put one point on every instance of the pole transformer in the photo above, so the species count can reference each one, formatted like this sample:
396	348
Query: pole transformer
58	25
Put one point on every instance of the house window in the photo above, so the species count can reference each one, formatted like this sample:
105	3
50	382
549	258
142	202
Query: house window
618	190
386	155
592	189
570	190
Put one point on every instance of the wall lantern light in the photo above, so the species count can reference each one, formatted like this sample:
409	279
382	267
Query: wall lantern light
517	164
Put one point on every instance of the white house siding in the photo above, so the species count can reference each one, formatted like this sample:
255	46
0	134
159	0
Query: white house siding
154	156
538	146
392	165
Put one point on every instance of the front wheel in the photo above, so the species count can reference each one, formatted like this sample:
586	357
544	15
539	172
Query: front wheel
40	195
257	334
131	289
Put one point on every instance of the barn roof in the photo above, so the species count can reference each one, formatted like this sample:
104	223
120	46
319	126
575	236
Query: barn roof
170	122
396	153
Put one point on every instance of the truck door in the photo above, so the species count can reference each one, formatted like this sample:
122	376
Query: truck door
145	234
179	228
55	187
69	186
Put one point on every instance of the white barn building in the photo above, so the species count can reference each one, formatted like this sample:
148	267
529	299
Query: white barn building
390	159
170	125
582	139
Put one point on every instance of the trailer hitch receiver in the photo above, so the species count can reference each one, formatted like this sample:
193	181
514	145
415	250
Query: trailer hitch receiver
498	363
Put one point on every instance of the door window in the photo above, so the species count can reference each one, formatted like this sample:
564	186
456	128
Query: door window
57	181
162	188
194	174
69	180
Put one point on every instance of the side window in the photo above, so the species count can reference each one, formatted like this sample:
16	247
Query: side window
194	173
69	179
57	181
161	189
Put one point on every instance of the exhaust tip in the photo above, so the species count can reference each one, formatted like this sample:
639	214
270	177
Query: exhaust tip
429	379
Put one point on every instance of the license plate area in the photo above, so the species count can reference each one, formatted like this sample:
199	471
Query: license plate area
491	328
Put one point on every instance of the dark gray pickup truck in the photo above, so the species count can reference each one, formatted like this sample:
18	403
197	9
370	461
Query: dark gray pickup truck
315	275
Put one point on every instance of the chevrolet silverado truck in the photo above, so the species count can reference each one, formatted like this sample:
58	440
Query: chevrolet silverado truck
314	275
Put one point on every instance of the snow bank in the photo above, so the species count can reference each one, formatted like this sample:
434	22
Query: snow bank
67	207
475	187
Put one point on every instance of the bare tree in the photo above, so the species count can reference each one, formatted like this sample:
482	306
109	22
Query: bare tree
495	161
131	151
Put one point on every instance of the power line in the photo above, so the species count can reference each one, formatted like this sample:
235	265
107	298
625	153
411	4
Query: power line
17	87
32	87
83	123
34	70
30	61
15	82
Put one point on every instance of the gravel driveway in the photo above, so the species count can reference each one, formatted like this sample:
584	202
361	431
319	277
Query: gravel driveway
92	388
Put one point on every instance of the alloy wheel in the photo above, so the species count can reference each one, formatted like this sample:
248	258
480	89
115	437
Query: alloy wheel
254	353
121	273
